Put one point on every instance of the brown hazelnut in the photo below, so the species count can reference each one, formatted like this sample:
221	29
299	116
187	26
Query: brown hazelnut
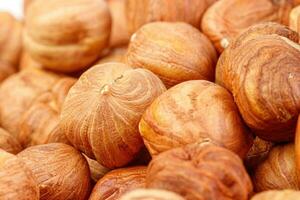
266	93
16	180
11	44
67	36
294	19
277	195
18	92
176	52
278	171
9	143
115	55
151	194
190	112
226	19
119	30
102	110
117	182
200	171
297	148
258	152
40	123
142	12
97	170
61	171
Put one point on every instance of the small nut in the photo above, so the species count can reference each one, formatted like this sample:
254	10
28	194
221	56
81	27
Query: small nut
117	182
97	170
151	194
278	171
61	172
200	171
101	113
16	180
66	36
115	55
176	52
193	111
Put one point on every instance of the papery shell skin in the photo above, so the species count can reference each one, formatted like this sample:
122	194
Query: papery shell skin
277	195
119	31
257	153
193	111
11	44
175	52
67	36
146	11
9	143
115	55
151	194
97	170
101	113
18	92
200	171
226	19
278	171
40	123
61	171
266	93
117	182
297	148
16	180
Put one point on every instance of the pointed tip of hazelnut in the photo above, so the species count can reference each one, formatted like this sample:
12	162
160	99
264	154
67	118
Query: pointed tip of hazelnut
104	90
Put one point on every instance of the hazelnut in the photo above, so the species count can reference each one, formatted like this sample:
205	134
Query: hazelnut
40	123
16	180
119	30
226	19
9	143
61	172
11	44
142	12
102	110
266	93
151	194
294	19
97	170
277	195
297	147
193	111
200	171
278	171
117	182
258	152
67	36
176	52
18	92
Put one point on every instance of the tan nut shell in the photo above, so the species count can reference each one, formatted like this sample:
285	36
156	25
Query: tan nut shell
18	92
151	194
10	43
261	70
277	195
193	111
226	19
61	171
9	143
145	11
101	113
40	123
278	171
200	171
67	36
117	182
16	180
176	52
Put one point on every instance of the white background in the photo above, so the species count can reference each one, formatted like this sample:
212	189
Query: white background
13	6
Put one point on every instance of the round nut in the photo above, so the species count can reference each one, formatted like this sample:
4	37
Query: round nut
176	52
277	195
151	194
8	143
